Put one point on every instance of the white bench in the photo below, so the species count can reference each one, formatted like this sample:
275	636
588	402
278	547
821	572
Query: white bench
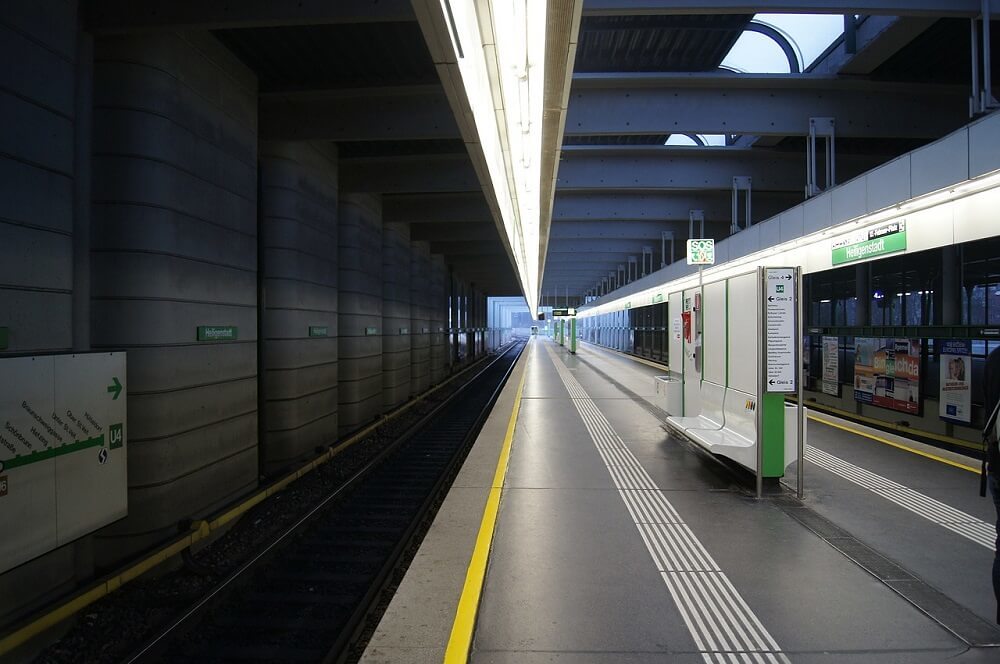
712	414
738	438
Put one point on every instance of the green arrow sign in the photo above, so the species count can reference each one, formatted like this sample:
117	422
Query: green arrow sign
115	388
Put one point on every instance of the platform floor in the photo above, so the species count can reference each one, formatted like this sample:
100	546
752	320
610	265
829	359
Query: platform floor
618	542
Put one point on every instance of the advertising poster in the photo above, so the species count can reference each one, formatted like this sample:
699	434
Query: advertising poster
887	373
831	366
956	380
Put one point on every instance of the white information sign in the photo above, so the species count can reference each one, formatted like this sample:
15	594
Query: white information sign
63	433
701	252
779	319
831	366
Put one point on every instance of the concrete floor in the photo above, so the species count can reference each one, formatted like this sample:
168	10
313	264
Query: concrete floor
573	576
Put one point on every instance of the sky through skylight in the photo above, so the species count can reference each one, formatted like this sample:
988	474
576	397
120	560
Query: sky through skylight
810	34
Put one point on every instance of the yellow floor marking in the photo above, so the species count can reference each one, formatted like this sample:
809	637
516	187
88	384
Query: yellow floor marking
822	407
848	429
199	531
900	446
460	640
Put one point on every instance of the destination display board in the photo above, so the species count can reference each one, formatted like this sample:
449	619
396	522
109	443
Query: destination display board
869	242
779	310
63	444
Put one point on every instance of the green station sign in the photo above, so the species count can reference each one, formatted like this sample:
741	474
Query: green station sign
4	337
658	298
870	242
217	333
319	331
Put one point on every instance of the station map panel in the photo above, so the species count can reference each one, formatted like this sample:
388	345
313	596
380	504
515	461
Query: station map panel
63	434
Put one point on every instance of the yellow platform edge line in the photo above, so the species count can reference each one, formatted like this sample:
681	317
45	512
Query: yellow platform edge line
886	441
460	641
200	530
879	439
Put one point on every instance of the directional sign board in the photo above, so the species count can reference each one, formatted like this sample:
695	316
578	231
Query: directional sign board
779	310
63	435
701	252
563	312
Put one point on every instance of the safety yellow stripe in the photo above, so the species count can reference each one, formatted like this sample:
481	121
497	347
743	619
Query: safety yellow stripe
903	430
886	441
199	531
460	640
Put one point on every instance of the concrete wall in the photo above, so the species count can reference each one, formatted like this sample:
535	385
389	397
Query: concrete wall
36	173
298	197
438	318
420	331
174	248
38	46
359	310
396	315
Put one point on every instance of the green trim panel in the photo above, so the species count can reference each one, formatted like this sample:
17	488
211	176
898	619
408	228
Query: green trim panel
774	434
52	452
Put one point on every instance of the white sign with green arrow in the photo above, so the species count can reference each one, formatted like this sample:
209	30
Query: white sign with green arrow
63	442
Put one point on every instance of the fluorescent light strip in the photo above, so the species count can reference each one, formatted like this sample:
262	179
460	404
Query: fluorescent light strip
504	81
777	255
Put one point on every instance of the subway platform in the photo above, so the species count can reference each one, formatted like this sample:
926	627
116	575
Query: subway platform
580	529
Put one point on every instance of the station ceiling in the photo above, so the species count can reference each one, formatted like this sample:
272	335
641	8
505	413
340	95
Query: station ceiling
359	73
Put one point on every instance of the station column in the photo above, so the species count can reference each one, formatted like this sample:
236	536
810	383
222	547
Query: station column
174	275
396	314
420	333
298	300
359	315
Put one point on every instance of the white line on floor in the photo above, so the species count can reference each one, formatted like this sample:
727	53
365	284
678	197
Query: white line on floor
933	510
721	623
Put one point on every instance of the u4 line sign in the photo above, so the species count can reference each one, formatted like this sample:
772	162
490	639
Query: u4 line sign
63	440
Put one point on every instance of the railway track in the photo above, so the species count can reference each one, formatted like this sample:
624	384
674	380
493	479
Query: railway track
306	597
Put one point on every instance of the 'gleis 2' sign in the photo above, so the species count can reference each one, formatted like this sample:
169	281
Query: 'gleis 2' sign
870	242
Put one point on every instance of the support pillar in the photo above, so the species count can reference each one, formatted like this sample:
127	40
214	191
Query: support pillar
439	318
175	173
396	315
298	389
360	310
950	298
420	332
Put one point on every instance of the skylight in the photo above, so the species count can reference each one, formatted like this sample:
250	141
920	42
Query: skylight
702	139
809	35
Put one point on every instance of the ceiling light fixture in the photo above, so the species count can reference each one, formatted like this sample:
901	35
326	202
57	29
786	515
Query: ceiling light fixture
504	81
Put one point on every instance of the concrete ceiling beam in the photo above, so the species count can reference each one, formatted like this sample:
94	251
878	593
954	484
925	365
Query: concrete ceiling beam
952	8
760	104
369	114
120	16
